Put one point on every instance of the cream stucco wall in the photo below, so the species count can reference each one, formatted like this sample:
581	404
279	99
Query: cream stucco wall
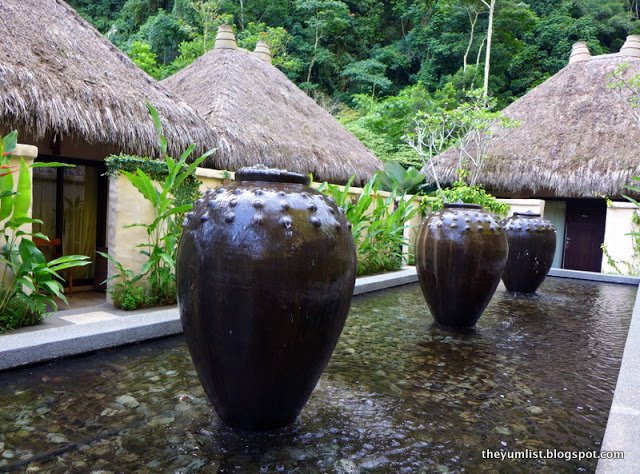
126	207
211	179
617	242
535	206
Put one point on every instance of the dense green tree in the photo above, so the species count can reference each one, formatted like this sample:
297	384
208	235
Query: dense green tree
279	41
141	54
368	73
102	13
164	33
320	19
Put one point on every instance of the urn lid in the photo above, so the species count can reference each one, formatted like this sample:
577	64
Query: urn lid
526	214
461	205
271	175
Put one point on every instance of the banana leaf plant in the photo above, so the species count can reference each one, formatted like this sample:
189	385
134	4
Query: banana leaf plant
403	181
28	283
163	232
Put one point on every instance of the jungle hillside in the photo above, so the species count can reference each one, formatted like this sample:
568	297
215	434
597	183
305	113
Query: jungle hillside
376	64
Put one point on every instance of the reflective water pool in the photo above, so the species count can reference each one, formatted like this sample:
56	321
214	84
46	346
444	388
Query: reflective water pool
399	395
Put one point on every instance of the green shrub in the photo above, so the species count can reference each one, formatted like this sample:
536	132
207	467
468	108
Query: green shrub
396	178
131	297
460	192
378	224
17	313
29	285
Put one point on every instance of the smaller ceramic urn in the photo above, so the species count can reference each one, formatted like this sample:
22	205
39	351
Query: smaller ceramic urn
460	255
532	245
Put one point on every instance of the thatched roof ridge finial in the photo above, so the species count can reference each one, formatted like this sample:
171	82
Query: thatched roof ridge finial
225	38
260	116
579	52
263	51
576	138
631	47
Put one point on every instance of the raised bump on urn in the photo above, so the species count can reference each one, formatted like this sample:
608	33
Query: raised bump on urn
285	221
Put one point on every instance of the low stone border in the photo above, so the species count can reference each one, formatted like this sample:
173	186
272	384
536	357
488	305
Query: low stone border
623	427
602	277
39	346
386	280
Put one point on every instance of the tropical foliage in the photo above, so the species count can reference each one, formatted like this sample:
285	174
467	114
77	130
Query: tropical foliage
378	65
628	88
154	284
375	48
30	287
461	192
378	221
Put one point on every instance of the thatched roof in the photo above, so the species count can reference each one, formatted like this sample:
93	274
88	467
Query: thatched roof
60	76
576	138
263	117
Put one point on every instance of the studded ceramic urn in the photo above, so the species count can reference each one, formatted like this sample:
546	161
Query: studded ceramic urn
460	253
265	274
532	246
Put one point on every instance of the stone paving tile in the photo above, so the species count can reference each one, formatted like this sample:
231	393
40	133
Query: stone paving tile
92	317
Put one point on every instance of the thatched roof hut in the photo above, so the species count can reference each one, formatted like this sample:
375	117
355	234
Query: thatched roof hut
263	117
576	137
59	77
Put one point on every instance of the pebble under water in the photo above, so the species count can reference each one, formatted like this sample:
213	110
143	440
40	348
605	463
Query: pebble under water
399	395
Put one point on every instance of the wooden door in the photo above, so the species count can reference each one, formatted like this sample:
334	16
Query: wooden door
584	234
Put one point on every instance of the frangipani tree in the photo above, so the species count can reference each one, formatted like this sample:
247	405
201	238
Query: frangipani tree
467	126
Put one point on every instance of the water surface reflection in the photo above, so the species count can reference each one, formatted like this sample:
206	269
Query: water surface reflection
400	394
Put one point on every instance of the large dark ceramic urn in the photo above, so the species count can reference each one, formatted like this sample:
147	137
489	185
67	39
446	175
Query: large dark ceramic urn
460	255
532	246
265	273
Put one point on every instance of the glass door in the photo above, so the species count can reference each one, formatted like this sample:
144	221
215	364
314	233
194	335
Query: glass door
72	207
